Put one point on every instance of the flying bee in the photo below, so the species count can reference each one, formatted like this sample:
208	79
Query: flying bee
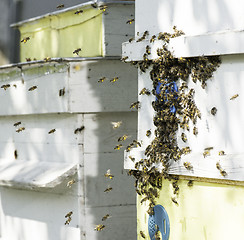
32	88
116	124
190	183
221	153
188	165
52	131
174	200
61	92
70	183
15	154
5	86
195	131
131	39
60	6
17	124
103	7
118	147
102	79
24	40
130	21
132	158
99	227
183	137
142	234
148	133
78	130
68	214
108	189
20	129
124	58
105	217
122	138
79	11
76	51
108	174
145	91
115	79
235	96
135	105
153	38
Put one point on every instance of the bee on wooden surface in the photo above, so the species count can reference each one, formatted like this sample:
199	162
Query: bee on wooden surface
174	200
32	88
153	38
221	153
115	79
16	124
142	234
5	86
188	165
195	131
118	147
20	129
68	214
70	183
47	59
52	131
135	105
190	183
102	79
99	227
105	217
122	138
214	111
108	189
124	58
15	154
148	50
24	40
131	39
60	6
79	12
28	59
61	92
103	7
76	51
145	91
116	124
108	174
78	130
183	137
148	133
130	21
235	96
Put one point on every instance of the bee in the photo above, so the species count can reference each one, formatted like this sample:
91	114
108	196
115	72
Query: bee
116	124
148	50
115	79
24	40
67	222
102	79
128	148
174	200
78	130
105	217
136	143
79	11
222	172
186	150
68	214
71	182
130	21
195	131
118	147
131	39
188	165
60	6
14	85
153	38
108	189
15	154
122	138
52	131
145	91
61	92
47	59
99	227
124	58
20	129
190	183
108	174
76	51
16	124
142	234
235	96
103	7
132	158
183	137
28	59
32	88
221	153
208	148
214	111
206	153
94	5
5	86
135	105
148	133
